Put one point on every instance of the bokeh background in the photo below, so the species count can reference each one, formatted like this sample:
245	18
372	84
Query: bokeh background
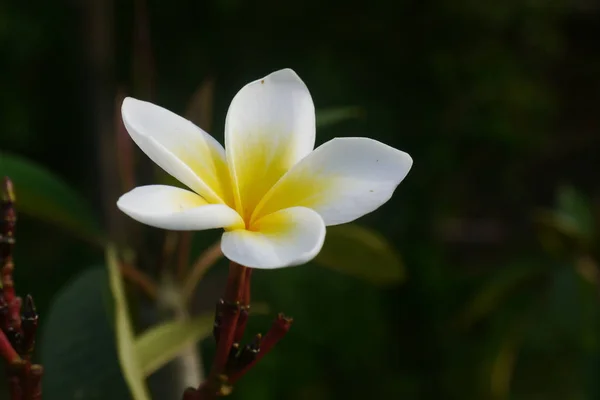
496	226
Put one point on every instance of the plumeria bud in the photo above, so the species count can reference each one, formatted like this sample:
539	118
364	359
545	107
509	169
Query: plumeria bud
233	354
218	319
249	352
9	218
29	324
34	388
8	193
225	332
262	345
15	337
223	311
3	311
29	310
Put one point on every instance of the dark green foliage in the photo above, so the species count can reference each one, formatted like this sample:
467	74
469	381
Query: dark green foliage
497	103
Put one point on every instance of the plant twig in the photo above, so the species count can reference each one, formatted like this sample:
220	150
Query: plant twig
137	277
169	246
208	257
183	253
125	150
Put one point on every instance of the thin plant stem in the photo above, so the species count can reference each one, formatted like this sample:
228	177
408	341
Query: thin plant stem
140	279
183	254
208	258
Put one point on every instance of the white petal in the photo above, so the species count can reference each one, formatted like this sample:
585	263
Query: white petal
288	237
172	208
342	180
180	148
270	126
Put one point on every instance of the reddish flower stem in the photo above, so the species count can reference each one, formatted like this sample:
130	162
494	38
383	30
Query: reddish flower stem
15	385
17	332
246	290
7	351
233	361
235	283
278	330
7	242
245	307
230	314
34	385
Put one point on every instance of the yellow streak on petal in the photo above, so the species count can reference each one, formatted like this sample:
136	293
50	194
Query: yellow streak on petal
274	224
184	200
298	189
210	166
257	165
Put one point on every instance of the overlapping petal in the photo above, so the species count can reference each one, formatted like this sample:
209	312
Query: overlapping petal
287	237
342	180
270	126
172	208
180	148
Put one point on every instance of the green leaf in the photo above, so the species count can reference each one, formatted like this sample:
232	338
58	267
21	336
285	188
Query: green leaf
332	116
501	285
78	348
41	194
124	332
573	206
160	344
361	252
572	216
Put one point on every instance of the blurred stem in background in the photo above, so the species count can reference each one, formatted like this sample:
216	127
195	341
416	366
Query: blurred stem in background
110	135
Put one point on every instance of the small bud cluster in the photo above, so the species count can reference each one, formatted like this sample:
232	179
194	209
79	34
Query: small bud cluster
233	360
18	321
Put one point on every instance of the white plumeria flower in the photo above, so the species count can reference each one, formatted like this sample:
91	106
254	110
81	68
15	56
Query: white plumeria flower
268	189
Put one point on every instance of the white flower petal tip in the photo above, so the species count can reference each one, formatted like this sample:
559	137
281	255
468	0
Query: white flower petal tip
283	76
172	208
179	147
342	180
285	238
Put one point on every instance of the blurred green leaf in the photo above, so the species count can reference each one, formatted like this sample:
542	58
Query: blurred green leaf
361	252
502	283
502	369
572	215
573	204
160	344
332	116
78	349
124	332
44	195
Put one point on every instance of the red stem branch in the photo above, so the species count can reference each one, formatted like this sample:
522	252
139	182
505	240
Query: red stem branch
17	331
7	242
7	351
278	330
233	361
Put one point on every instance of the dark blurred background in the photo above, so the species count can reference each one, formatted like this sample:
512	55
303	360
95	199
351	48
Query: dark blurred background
496	224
